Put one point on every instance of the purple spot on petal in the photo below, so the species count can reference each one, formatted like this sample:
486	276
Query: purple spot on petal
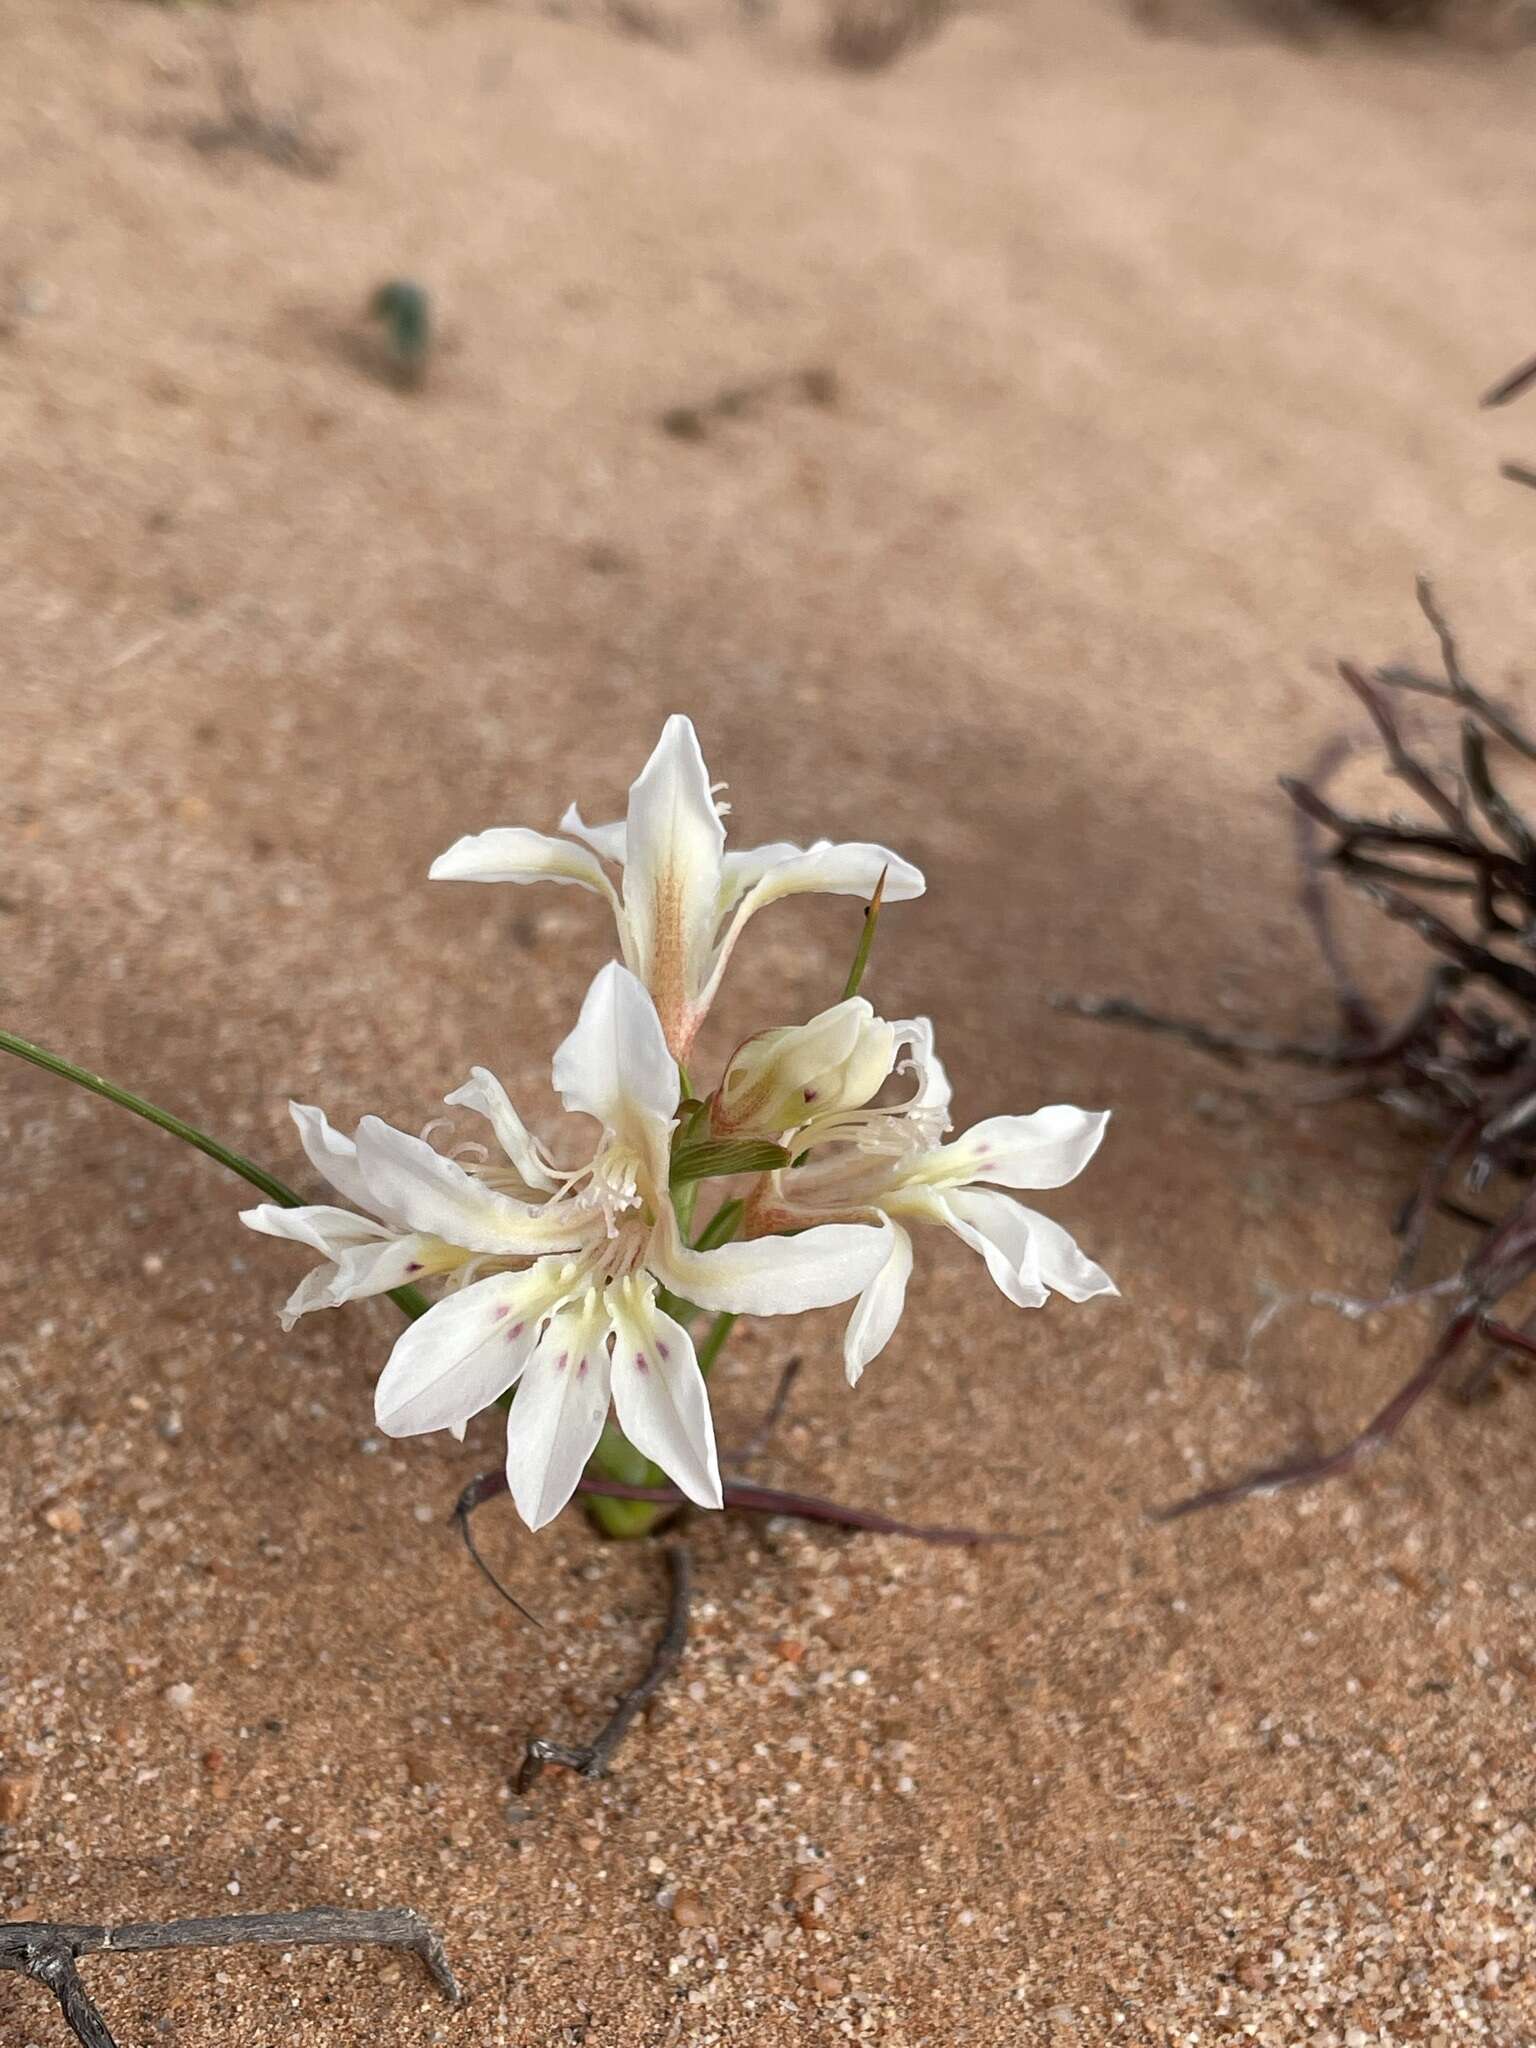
642	1363
502	1312
562	1361
414	1267
662	1350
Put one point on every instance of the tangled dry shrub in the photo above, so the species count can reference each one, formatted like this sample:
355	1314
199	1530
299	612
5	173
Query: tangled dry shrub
1459	872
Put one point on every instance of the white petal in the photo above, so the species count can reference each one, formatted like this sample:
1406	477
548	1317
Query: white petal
933	1089
879	1308
742	871
1044	1150
825	869
803	1051
331	1155
1063	1266
559	1413
659	1393
368	1269
510	853
616	1062
609	841
772	1276
484	1094
331	1231
672	876
464	1352
430	1193
997	1227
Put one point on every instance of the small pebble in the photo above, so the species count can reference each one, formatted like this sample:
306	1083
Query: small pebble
689	1909
179	1696
63	1517
17	1791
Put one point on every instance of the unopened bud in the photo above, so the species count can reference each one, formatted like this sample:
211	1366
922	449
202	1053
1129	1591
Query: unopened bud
783	1078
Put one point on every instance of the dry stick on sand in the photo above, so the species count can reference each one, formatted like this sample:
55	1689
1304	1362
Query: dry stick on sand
47	1951
1520	379
1462	1065
592	1759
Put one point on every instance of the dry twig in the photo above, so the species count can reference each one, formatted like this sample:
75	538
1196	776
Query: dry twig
48	1951
592	1759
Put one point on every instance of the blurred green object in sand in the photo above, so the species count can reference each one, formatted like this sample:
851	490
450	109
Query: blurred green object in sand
404	312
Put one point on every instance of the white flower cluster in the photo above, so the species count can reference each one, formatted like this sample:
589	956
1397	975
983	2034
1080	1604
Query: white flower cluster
551	1278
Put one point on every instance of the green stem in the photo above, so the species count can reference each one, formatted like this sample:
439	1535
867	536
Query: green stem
709	1350
409	1300
721	1227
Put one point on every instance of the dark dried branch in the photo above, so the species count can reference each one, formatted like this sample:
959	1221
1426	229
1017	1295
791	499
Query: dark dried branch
1425	1199
1495	806
1519	379
1405	765
1380	1430
1507	1337
47	1951
1506	975
1357	1013
1456	687
1236	1047
592	1759
744	1498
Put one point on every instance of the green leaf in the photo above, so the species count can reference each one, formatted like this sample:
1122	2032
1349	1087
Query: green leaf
705	1158
866	939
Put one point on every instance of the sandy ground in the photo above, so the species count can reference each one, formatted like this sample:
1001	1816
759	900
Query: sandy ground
1156	365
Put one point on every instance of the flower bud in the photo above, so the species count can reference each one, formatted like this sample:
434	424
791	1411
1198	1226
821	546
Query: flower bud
782	1079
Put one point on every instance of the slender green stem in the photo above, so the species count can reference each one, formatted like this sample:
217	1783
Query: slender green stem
721	1227
709	1350
409	1300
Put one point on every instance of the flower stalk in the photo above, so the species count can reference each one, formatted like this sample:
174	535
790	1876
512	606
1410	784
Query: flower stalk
409	1300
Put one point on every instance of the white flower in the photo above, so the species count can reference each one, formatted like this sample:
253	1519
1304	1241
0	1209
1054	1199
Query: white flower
890	1165
780	1079
581	1324
684	898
